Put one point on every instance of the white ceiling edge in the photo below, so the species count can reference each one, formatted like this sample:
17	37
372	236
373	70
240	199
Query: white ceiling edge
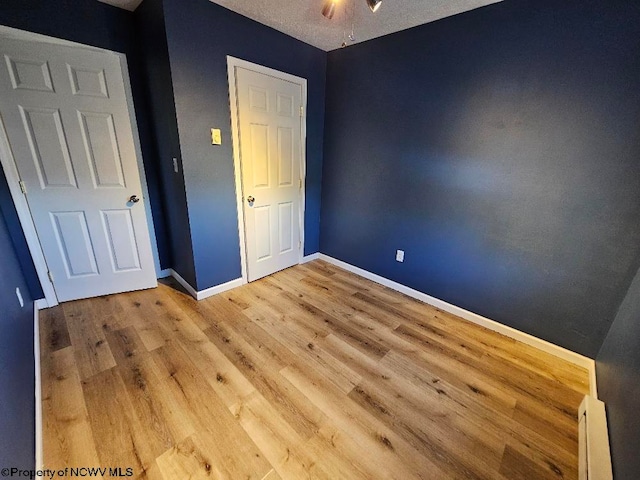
302	19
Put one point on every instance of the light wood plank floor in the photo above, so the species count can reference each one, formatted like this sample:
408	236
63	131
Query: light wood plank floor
310	373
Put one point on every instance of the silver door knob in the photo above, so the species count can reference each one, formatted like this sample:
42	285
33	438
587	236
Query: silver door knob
134	199
250	199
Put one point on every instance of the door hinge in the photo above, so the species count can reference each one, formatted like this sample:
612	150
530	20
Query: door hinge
300	184
23	187
50	276
299	244
301	111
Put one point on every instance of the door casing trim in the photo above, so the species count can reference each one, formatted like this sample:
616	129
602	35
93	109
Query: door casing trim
232	64
11	171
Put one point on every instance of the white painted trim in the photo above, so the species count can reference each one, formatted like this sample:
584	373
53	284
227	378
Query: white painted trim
38	385
594	451
192	291
593	381
223	287
310	258
13	178
505	330
208	292
232	63
41	304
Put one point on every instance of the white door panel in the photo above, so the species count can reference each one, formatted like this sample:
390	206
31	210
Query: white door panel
67	121
270	138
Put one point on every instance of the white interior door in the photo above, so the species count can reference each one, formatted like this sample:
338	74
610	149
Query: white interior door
66	117
270	139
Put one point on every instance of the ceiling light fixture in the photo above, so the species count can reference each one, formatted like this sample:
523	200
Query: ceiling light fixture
374	4
329	8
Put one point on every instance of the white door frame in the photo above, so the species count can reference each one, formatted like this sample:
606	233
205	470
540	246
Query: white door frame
13	178
232	64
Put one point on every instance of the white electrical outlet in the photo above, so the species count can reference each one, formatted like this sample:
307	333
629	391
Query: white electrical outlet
399	255
175	164
19	295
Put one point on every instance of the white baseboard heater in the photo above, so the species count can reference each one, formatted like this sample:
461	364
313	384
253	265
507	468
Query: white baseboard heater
594	453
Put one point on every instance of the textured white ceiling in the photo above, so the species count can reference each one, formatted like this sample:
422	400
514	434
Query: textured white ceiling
302	18
126	4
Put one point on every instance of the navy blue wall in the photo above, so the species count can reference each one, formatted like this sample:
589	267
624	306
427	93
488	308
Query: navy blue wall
154	58
17	236
500	149
17	367
200	35
100	25
618	372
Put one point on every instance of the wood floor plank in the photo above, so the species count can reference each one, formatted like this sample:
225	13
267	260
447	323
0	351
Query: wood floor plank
357	338
280	443
159	404
303	344
119	439
532	411
93	354
473	410
290	403
392	456
336	451
506	348
220	373
527	356
54	334
431	428
148	413
67	434
137	307
220	442
313	372
494	343
524	385
345	308
124	344
517	466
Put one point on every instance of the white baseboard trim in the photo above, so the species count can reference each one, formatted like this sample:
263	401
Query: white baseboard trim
192	291
41	304
219	288
505	330
593	381
310	258
164	273
38	383
594	452
208	292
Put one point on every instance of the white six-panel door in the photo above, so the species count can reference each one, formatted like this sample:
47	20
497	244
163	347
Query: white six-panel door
66	117
269	120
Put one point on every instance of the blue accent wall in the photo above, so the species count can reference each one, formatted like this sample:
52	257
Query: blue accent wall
500	149
17	366
99	25
618	373
19	241
154	58
200	35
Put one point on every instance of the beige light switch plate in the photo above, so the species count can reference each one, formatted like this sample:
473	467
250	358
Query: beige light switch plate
216	136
